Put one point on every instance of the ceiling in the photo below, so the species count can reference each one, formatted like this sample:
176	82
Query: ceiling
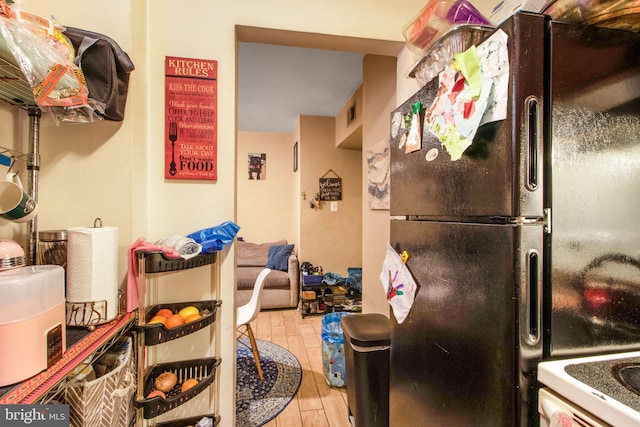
276	84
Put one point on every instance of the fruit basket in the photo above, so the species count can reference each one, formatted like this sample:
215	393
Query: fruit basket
158	262
156	333
191	421
203	370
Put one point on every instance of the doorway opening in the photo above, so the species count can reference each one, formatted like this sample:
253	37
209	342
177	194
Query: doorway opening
290	206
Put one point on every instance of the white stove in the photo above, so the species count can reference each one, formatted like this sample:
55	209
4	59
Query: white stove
593	383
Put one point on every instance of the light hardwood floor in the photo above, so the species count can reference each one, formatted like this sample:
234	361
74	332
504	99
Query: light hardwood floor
316	404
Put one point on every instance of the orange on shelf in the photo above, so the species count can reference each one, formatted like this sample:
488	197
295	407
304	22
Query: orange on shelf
164	312
174	320
192	318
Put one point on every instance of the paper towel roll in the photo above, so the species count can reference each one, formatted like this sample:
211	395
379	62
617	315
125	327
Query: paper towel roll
92	266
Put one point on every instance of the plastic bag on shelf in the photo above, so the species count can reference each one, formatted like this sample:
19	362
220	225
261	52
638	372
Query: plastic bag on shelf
85	113
58	84
214	238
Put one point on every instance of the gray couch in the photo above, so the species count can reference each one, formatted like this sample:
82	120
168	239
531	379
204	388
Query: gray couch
281	288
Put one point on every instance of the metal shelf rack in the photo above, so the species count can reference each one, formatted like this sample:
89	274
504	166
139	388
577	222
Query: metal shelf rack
153	263
16	91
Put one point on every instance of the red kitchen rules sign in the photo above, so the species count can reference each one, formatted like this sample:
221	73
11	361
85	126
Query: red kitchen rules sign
191	119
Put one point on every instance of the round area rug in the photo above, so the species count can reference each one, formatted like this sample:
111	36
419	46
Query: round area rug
258	402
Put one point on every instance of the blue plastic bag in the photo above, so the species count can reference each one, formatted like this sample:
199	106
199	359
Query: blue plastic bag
213	239
355	278
331	278
331	330
333	361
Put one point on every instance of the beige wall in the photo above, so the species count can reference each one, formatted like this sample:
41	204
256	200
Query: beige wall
266	207
115	170
484	6
349	134
332	239
379	87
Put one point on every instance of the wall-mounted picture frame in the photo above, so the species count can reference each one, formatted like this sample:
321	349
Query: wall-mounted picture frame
257	166
378	168
351	114
330	188
295	157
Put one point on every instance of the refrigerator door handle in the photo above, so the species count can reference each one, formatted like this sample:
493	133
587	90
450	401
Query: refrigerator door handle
534	297
532	108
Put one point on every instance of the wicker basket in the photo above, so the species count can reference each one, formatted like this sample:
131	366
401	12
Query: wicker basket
105	401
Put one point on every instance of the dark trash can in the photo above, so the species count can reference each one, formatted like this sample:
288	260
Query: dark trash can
366	350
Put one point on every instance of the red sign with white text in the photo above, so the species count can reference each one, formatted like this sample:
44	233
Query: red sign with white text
191	119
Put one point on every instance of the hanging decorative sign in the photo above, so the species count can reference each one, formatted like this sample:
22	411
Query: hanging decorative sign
191	119
330	188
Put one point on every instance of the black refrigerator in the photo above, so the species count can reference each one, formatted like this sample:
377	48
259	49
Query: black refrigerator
526	249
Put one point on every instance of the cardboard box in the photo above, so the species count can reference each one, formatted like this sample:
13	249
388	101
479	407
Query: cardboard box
310	295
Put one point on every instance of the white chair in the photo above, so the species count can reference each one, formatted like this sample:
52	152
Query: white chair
247	313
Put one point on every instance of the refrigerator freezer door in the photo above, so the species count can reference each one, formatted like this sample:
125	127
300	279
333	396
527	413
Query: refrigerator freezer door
466	353
500	174
595	196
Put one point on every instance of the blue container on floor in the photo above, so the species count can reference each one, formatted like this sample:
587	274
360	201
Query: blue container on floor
333	361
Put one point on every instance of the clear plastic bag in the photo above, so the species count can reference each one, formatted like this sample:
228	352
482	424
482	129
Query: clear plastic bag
58	84
333	359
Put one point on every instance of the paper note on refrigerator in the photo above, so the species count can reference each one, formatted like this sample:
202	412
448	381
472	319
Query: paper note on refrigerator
398	284
473	90
494	57
461	101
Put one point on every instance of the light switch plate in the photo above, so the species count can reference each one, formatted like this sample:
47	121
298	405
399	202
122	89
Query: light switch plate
334	206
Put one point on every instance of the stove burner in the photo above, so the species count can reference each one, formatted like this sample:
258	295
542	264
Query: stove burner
629	376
